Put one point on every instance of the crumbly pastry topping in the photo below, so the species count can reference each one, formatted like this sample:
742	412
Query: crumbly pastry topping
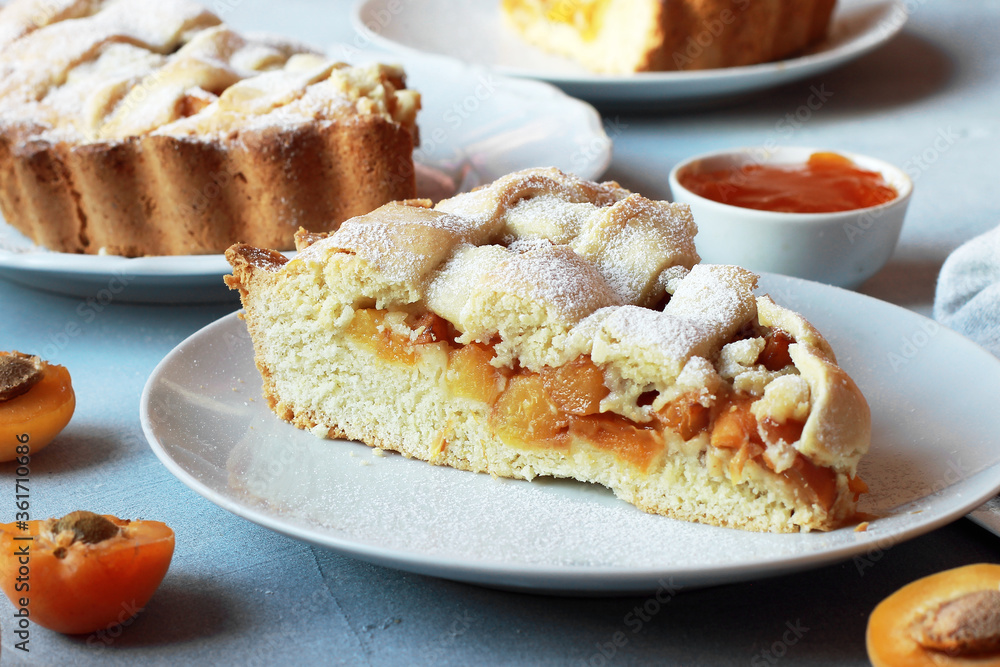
90	70
488	269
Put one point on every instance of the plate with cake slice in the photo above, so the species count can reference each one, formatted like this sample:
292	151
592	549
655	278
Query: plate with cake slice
670	55
137	145
537	385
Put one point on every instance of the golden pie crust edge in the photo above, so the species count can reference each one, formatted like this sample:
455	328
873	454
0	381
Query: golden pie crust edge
166	195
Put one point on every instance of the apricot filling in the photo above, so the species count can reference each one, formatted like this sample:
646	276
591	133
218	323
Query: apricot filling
686	416
576	387
370	328
585	17
639	445
471	375
525	415
775	355
561	405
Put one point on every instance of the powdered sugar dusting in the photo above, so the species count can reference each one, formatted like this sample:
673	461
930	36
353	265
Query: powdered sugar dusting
491	204
720	298
135	67
557	276
635	240
21	18
464	230
378	244
547	217
43	58
674	339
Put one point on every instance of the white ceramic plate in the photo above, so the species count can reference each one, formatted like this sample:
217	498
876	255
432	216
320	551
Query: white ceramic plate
475	126
473	32
934	396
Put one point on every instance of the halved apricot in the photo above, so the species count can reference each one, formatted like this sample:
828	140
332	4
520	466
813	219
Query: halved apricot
84	572
948	619
33	419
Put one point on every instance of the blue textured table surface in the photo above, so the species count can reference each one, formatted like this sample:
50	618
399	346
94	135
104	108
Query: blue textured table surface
238	593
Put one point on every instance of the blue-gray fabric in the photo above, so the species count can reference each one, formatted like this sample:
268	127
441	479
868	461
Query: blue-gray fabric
968	291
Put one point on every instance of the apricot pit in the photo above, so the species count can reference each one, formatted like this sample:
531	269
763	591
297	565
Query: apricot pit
86	527
18	374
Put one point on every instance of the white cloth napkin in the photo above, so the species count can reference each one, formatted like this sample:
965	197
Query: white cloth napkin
968	301
968	291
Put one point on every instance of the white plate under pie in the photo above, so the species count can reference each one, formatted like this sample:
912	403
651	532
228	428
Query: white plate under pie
475	126
934	457
473	31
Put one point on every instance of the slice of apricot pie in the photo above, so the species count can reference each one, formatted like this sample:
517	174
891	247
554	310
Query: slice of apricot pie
547	325
628	36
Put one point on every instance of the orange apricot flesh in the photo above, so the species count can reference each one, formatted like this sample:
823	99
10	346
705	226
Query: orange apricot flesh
577	387
686	416
36	417
473	375
526	416
637	445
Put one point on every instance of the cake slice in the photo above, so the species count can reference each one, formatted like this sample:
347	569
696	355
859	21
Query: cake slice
625	36
546	325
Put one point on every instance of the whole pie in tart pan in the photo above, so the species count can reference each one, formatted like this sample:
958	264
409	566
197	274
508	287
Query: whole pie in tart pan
137	128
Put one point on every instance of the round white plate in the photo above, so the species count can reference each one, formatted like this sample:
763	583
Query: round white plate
475	126
474	32
934	396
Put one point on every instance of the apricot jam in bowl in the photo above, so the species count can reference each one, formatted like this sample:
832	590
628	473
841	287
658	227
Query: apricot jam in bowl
832	217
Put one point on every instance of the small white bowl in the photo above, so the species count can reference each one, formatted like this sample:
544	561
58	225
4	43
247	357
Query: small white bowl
844	248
